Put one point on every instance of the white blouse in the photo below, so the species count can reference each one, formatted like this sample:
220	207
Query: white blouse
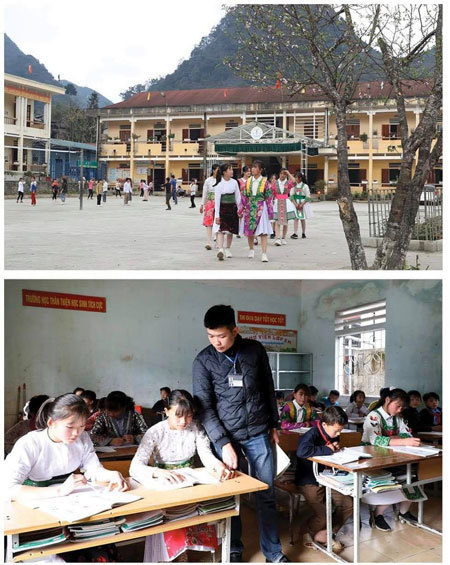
373	426
35	456
226	187
161	444
208	186
353	411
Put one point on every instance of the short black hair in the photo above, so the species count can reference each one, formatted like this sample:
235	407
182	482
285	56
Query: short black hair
117	400
89	394
334	415
166	388
36	402
335	392
77	389
355	394
219	316
313	389
414	393
429	395
304	388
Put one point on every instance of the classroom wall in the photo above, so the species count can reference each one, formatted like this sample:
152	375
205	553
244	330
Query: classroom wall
148	337
413	329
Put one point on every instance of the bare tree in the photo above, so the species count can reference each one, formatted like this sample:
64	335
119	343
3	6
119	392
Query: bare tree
405	32
329	49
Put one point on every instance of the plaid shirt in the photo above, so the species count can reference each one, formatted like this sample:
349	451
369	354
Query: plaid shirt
105	428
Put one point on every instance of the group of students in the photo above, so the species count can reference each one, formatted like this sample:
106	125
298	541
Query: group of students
252	206
393	419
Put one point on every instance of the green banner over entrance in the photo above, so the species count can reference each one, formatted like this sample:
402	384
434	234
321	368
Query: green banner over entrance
270	147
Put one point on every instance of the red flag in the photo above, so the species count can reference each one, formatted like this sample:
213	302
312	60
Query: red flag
30	70
225	93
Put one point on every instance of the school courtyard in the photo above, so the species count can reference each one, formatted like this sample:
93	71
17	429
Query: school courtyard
144	235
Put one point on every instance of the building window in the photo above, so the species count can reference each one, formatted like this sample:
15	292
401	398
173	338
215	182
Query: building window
353	129
360	348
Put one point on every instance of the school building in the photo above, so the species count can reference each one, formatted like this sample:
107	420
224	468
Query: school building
28	145
154	134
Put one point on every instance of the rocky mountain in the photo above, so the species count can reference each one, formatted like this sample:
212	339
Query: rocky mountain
17	63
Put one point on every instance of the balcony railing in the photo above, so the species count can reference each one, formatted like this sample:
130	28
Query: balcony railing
35	125
10	121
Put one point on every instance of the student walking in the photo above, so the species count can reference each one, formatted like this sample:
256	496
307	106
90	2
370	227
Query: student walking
117	189
256	209
246	174
283	207
173	182
168	188
63	190
99	192
193	186
227	199
145	187
233	386
207	205
91	189
33	190
20	191
301	197
127	191
105	190
55	189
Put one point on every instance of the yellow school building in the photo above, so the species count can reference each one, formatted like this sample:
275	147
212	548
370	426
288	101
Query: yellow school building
154	134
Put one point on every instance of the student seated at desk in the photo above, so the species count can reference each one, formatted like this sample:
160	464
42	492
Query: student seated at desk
90	398
332	398
322	440
171	445
412	416
431	415
53	452
24	426
162	404
101	405
119	423
383	391
298	413
313	392
384	426
357	408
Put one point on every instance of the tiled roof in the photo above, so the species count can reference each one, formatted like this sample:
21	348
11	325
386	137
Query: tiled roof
252	95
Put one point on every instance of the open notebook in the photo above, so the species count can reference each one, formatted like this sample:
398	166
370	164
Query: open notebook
82	502
345	455
191	477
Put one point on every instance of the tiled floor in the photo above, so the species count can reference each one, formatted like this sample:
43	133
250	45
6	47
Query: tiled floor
404	544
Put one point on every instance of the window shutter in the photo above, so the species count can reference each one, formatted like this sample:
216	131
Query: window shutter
385	176
185	175
385	131
149	133
125	135
185	134
362	175
319	174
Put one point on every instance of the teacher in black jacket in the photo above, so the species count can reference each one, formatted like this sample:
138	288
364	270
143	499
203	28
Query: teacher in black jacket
233	388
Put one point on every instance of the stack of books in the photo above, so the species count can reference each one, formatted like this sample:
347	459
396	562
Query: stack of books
181	512
93	530
342	482
380	481
216	505
142	520
42	538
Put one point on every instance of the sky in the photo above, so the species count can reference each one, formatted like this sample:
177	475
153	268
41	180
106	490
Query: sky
109	45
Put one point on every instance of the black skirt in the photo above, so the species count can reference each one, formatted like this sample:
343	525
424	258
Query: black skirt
229	219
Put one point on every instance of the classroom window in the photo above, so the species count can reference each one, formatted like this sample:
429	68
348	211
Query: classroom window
360	335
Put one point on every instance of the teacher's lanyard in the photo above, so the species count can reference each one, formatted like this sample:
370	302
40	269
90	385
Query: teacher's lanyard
233	360
234	379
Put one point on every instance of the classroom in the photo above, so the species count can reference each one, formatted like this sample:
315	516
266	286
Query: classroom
139	336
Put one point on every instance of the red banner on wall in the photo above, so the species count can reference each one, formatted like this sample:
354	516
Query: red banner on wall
63	301
261	318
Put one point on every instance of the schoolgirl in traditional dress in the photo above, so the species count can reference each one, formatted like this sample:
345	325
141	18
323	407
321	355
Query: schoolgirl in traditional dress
298	413
283	207
227	198
207	205
384	426
171	445
256	209
119	423
53	452
246	174
301	197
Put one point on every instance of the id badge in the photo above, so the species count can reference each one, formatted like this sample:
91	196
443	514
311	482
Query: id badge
235	379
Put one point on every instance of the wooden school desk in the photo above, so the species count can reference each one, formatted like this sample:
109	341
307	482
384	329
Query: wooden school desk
429	471
118	460
434	437
19	519
289	440
358	422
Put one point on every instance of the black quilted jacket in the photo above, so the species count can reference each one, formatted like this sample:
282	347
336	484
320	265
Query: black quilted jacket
235	413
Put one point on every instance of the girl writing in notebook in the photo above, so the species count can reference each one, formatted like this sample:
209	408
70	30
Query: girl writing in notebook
385	426
52	453
170	445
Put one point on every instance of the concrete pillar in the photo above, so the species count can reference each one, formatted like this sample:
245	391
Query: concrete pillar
283	161
370	162
20	154
132	150
167	160
48	118
284	125
325	174
47	157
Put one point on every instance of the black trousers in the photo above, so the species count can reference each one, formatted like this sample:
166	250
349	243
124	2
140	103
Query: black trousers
91	194
193	201
19	196
168	197
99	199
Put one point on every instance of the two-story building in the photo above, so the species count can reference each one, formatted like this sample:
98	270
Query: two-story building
152	135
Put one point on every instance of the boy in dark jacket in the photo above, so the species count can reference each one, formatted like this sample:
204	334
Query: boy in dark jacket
322	440
431	415
234	391
412	416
